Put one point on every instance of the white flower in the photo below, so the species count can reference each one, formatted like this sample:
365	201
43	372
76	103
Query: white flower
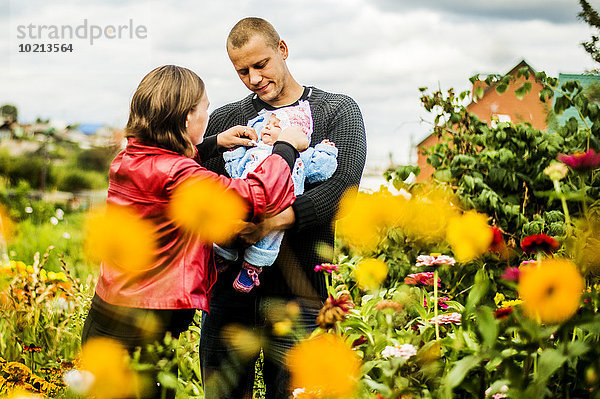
66	235
79	381
28	209
501	394
60	214
435	260
54	220
405	351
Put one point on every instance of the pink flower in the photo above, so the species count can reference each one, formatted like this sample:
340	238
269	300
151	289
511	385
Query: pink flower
425	278
449	318
511	274
435	260
406	351
326	267
581	161
441	302
526	263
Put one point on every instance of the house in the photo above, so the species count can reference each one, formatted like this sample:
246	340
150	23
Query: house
505	107
591	88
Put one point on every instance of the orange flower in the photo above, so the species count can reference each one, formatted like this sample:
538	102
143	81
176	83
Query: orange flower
121	238
551	292
207	209
324	364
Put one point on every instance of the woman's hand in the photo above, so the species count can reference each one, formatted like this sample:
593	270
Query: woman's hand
252	233
295	136
236	136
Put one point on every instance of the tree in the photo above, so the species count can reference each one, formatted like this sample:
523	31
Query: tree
592	18
9	113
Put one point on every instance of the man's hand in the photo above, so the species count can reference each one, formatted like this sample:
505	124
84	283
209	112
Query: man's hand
237	136
252	233
295	136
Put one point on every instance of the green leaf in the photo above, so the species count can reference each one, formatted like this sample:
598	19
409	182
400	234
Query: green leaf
523	90
561	104
501	88
477	292
487	325
167	380
460	370
549	361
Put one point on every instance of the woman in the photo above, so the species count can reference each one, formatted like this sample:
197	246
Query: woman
168	117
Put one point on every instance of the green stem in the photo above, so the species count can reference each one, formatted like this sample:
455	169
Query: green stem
563	201
583	193
435	301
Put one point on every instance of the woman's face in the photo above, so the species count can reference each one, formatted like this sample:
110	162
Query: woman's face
197	120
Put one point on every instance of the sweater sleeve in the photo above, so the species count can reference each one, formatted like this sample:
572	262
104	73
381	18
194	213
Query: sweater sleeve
319	204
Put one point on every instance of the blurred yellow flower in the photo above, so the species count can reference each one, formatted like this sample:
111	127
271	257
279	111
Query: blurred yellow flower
282	328
121	238
370	273
428	215
551	292
469	235
324	364
205	208
364	218
242	340
7	226
107	360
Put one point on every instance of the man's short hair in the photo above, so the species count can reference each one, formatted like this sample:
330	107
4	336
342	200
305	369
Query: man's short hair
245	29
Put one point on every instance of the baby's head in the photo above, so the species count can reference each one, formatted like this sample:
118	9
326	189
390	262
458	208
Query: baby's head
283	118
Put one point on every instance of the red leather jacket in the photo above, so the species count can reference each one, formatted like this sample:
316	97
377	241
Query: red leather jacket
143	177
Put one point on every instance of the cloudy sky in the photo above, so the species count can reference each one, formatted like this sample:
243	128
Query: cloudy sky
377	51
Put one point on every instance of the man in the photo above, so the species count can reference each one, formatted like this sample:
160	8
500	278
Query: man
259	57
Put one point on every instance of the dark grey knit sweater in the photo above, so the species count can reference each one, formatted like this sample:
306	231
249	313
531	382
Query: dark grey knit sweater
335	117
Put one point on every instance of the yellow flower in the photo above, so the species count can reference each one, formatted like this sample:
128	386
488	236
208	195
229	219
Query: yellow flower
242	340
370	273
282	328
511	303
7	226
121	238
324	364
107	360
499	297
364	218
552	291
469	235
205	208
428	214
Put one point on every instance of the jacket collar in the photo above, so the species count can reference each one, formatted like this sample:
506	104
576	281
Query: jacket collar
137	147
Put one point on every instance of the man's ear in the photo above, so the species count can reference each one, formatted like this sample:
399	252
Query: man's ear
283	48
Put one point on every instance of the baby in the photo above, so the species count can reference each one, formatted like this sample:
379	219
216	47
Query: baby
315	164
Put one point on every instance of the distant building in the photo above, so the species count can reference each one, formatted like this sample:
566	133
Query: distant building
505	107
591	87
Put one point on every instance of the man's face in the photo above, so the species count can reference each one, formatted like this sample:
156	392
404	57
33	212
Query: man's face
262	68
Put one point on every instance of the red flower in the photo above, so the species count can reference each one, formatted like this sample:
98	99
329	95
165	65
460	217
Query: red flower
425	278
511	274
497	240
359	341
539	243
326	267
581	161
503	313
334	310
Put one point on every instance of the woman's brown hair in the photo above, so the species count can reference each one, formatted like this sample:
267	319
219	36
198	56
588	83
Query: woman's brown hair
160	106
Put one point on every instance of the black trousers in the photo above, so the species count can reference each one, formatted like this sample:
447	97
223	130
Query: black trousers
134	327
228	373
